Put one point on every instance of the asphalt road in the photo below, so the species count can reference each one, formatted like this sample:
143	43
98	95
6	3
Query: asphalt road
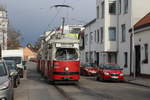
34	87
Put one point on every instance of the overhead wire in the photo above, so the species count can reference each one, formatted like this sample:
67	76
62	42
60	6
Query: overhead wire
54	19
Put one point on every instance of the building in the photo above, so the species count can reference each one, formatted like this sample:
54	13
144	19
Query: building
114	18
28	54
3	28
142	46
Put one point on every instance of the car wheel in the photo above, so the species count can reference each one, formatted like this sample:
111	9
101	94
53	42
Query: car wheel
15	84
97	78
18	80
101	79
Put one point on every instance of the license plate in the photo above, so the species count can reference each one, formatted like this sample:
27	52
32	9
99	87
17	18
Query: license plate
115	77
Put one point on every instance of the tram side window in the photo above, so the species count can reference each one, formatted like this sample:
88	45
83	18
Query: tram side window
66	54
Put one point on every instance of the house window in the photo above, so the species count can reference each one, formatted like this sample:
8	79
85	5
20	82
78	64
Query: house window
98	35
146	54
86	56
123	29
95	36
97	12
125	59
91	37
102	33
102	15
112	7
120	6
125	6
86	39
112	34
91	57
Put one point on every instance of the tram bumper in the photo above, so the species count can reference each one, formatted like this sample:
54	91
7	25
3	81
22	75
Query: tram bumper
66	76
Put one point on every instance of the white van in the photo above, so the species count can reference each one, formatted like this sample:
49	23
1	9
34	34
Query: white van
17	56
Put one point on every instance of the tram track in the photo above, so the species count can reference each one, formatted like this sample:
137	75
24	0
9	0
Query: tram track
83	90
63	93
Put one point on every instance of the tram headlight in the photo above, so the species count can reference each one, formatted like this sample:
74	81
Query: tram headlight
66	69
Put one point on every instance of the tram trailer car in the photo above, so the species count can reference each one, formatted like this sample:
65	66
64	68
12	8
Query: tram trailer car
63	60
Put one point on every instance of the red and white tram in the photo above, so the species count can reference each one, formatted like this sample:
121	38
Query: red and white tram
63	60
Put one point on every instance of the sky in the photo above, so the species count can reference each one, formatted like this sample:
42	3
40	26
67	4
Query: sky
34	17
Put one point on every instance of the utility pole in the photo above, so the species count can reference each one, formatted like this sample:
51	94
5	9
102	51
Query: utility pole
63	23
3	39
0	51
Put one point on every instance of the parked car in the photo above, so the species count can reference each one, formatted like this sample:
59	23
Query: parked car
110	71
11	64
6	83
88	70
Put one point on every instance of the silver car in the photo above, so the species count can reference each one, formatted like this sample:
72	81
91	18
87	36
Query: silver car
6	83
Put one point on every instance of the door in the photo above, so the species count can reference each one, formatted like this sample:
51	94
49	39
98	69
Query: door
97	58
137	60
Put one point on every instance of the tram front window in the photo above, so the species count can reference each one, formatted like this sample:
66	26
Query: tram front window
66	54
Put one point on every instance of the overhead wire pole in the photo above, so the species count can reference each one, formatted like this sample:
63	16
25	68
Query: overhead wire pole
63	23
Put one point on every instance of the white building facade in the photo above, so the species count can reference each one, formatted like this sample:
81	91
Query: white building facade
142	49
114	18
3	28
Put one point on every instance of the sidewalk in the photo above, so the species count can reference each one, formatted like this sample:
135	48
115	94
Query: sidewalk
140	81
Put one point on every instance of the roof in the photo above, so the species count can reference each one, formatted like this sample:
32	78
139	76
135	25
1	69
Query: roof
144	22
89	23
2	9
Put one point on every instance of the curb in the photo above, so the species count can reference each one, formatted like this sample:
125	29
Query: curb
138	84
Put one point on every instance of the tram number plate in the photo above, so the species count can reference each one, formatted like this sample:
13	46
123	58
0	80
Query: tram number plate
66	78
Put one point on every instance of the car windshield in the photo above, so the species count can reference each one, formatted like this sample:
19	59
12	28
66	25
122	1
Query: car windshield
66	54
109	66
16	59
11	64
3	71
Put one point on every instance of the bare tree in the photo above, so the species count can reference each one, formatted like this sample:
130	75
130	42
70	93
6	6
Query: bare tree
37	45
14	38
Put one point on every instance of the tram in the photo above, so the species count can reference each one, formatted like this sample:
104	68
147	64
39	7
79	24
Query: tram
63	60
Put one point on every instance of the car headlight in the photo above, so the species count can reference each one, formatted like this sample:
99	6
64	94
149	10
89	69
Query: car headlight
5	85
105	73
121	74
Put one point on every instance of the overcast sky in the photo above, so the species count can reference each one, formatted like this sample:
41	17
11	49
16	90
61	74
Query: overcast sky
33	17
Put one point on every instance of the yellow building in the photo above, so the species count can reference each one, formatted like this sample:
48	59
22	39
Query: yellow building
28	53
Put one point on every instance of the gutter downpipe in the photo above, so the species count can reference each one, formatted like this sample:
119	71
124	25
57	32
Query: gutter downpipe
133	49
118	12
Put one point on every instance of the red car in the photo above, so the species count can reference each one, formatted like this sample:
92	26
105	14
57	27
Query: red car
109	71
88	70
